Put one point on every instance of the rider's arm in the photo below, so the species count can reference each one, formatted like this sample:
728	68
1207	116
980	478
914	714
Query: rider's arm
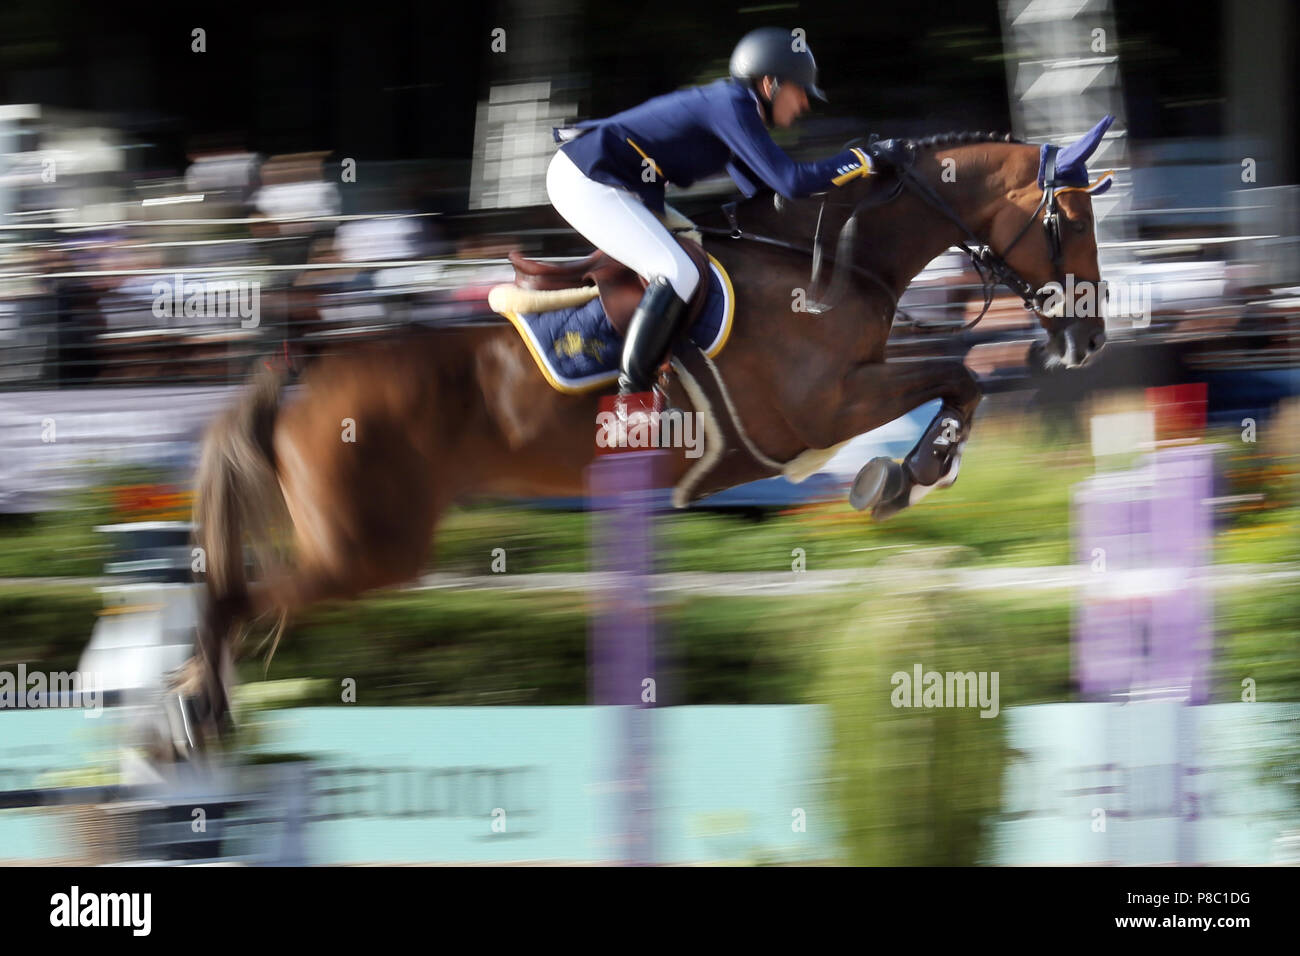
742	129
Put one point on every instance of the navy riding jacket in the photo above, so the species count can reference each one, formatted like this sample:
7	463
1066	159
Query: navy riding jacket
694	133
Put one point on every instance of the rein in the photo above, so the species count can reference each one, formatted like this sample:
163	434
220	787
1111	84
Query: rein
991	267
847	234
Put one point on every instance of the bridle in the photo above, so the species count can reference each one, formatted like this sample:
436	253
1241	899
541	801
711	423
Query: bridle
992	267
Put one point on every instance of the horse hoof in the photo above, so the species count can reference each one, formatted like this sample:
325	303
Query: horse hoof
889	507
880	480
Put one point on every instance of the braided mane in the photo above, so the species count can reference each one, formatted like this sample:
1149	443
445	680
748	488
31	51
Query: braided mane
961	139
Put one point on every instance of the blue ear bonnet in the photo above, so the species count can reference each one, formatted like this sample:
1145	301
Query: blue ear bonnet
1071	161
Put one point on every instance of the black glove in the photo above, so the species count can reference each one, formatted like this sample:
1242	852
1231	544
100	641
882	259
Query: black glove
898	153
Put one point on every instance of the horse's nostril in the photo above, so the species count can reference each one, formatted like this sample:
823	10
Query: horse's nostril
1097	341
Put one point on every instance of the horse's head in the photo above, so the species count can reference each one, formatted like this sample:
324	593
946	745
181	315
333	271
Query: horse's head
1044	232
1028	207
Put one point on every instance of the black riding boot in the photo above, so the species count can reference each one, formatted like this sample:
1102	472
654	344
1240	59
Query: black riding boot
651	331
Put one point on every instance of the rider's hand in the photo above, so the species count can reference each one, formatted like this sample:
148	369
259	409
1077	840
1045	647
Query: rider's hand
892	152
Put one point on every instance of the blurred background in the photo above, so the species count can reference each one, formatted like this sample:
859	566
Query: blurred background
1121	551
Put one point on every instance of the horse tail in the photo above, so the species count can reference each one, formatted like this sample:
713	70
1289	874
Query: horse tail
238	492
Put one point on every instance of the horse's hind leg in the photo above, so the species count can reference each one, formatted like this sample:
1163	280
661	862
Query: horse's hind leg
363	515
197	705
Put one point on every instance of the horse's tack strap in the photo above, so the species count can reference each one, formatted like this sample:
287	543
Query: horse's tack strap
1047	165
725	433
730	209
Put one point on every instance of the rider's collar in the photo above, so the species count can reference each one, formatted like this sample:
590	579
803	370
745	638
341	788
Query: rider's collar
764	106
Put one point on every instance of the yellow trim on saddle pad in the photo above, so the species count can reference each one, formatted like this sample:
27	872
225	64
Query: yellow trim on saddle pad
606	378
729	295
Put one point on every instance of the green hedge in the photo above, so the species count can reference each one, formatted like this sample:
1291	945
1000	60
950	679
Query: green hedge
916	786
509	647
444	647
501	646
46	627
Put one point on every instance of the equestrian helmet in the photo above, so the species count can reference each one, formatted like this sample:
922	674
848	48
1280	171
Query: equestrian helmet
772	51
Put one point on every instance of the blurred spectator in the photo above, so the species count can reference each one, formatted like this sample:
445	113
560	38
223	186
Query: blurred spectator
378	240
231	175
73	357
293	186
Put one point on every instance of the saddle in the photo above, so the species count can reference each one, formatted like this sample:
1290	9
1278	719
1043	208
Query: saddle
619	287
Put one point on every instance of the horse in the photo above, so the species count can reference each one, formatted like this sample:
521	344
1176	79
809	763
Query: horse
352	472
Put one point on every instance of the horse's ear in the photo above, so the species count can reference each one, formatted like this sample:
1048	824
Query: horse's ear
1078	152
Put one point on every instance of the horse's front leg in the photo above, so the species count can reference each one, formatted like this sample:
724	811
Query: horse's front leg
871	395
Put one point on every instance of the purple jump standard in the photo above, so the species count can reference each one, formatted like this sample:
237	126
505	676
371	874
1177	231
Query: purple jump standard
621	645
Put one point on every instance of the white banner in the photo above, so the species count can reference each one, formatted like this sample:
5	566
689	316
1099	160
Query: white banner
56	441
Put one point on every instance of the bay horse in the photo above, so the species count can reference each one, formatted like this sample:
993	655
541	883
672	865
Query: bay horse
361	462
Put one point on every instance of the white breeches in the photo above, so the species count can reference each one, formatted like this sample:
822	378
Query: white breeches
615	221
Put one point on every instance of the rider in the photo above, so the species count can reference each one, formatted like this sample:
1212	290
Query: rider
607	179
